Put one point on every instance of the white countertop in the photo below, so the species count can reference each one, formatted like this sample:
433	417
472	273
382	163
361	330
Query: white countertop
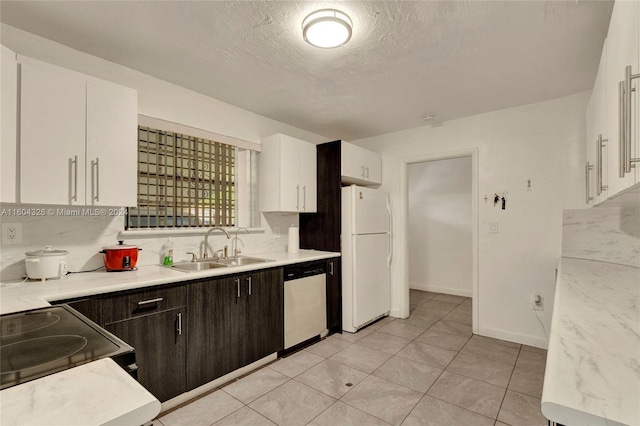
593	362
97	393
16	297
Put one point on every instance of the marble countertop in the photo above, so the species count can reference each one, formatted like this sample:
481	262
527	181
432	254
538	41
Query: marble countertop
97	393
593	362
22	296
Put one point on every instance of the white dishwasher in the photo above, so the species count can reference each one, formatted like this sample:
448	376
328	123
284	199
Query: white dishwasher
305	302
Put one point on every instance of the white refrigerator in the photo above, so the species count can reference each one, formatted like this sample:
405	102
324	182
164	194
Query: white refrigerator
366	256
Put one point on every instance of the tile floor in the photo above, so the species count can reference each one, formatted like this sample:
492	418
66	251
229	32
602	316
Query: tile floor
426	370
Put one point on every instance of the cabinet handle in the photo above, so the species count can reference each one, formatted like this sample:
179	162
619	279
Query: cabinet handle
331	268
367	169
621	129
238	286
362	171
587	168
75	178
599	146
304	198
179	329
297	197
249	280
148	302
629	160
97	184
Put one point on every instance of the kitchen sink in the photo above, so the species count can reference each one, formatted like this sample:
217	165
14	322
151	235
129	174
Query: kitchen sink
198	266
239	261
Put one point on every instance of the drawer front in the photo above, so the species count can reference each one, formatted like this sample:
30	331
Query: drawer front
146	302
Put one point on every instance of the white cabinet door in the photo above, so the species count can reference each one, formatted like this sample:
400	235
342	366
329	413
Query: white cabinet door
360	166
52	137
372	277
290	188
9	131
308	178
112	148
622	50
596	131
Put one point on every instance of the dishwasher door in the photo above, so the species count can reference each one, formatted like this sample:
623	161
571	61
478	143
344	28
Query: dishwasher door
305	309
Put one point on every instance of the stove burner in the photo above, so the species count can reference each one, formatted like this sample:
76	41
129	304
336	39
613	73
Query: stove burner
39	351
27	323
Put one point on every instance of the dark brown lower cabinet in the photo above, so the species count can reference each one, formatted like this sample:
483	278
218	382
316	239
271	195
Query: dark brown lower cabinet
160	343
233	322
334	295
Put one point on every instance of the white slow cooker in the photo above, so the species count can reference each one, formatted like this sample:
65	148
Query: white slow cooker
46	264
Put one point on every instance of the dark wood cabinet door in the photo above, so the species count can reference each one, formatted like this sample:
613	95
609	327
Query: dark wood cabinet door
264	328
334	295
160	344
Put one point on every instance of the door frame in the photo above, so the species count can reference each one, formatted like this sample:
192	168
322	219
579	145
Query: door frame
404	203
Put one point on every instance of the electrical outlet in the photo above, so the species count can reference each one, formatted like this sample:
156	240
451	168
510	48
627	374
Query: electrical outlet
537	303
493	227
11	233
276	232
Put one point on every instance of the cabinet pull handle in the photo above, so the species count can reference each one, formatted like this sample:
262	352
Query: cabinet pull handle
621	130
179	330
297	197
238	286
304	198
331	268
249	280
629	160
97	164
148	302
599	146
587	168
367	169
75	178
362	171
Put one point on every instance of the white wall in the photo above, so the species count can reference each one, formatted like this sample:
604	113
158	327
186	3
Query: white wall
543	142
83	237
439	224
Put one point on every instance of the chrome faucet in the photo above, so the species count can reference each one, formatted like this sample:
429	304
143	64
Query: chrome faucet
205	253
234	243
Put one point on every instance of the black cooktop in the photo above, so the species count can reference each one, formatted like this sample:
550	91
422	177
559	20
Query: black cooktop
45	341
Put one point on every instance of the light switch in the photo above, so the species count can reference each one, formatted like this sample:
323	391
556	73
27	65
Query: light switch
493	227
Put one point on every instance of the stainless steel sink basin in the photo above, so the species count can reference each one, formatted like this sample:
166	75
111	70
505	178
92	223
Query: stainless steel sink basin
198	266
243	260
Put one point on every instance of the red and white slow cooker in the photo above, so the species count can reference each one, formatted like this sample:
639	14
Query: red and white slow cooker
120	257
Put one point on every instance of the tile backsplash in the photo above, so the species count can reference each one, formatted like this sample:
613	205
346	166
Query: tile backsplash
83	237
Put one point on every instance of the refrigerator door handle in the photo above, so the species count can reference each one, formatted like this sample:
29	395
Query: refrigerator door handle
390	234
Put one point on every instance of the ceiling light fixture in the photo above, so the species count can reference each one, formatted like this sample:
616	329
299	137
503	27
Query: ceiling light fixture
327	28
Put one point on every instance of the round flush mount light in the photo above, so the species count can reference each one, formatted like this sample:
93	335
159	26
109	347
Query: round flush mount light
327	28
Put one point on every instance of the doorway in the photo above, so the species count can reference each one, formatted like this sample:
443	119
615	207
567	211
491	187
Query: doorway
441	217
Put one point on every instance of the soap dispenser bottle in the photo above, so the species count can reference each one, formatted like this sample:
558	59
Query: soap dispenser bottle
167	253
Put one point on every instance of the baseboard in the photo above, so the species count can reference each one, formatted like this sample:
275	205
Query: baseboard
444	290
523	339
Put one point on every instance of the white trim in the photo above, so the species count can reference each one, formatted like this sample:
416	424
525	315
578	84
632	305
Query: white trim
443	290
404	198
523	339
170	126
177	232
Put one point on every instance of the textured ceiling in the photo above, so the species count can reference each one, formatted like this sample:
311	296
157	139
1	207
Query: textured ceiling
405	59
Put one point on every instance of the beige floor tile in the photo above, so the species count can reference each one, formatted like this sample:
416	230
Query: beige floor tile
354	337
341	414
481	368
381	323
203	411
292	404
420	321
442	340
255	384
434	412
474	395
384	342
527	382
519	409
411	374
383	399
533	349
296	363
497	341
332	378
439	305
533	361
427	354
466	309
457	316
452	328
467	302
329	346
398	328
492	351
245	417
450	298
361	358
427	312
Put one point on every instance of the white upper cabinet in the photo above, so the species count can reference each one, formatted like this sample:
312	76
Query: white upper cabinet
78	138
360	166
622	50
597	137
288	176
8	132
